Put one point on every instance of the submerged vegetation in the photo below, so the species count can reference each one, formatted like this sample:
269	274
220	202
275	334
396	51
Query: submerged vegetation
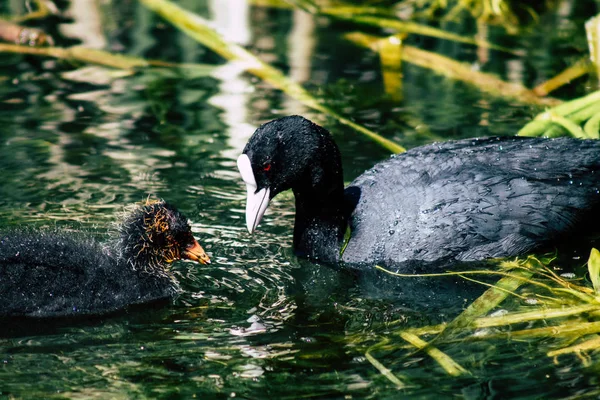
530	302
534	300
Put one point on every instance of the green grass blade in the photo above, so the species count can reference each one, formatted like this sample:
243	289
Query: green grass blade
79	54
568	75
306	5
453	69
514	318
592	26
578	107
198	28
100	57
592	127
390	56
412	27
490	299
594	269
576	111
385	371
535	128
451	367
573	329
592	344
571	127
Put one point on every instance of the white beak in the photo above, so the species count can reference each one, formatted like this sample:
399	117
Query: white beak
256	202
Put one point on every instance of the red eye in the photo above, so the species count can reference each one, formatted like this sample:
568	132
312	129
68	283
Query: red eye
267	167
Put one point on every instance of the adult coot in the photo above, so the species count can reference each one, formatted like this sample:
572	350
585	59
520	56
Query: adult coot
55	273
462	200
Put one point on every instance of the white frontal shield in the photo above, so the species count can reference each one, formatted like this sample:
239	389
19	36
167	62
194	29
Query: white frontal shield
256	202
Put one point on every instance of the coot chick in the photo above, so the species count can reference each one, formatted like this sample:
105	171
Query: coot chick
61	274
462	200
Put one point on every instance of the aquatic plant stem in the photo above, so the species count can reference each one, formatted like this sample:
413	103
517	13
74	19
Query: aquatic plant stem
384	371
564	330
576	111
411	27
592	26
92	56
515	318
44	9
390	56
463	273
592	344
573	72
380	17
446	362
467	326
570	126
456	70
489	300
494	286
594	269
592	127
199	29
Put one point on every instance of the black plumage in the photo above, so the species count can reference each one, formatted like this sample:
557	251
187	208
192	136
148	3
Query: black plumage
51	273
461	200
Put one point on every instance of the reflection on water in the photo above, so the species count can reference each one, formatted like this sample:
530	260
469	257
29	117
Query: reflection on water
78	144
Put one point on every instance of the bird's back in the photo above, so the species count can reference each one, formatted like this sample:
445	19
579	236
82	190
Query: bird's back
474	199
51	273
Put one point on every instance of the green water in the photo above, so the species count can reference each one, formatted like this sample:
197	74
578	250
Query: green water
77	144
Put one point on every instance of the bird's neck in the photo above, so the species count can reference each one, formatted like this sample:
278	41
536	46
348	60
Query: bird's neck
138	256
320	223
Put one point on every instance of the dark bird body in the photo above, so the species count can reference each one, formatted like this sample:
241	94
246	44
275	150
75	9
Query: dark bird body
64	274
462	200
475	199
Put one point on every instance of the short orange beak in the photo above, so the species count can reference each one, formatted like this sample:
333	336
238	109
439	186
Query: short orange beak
196	253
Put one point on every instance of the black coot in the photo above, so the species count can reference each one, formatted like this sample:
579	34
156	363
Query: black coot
61	274
463	200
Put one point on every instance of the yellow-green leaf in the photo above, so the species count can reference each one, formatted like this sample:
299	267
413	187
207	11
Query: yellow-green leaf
594	269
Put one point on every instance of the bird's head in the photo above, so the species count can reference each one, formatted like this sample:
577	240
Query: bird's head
288	153
154	234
